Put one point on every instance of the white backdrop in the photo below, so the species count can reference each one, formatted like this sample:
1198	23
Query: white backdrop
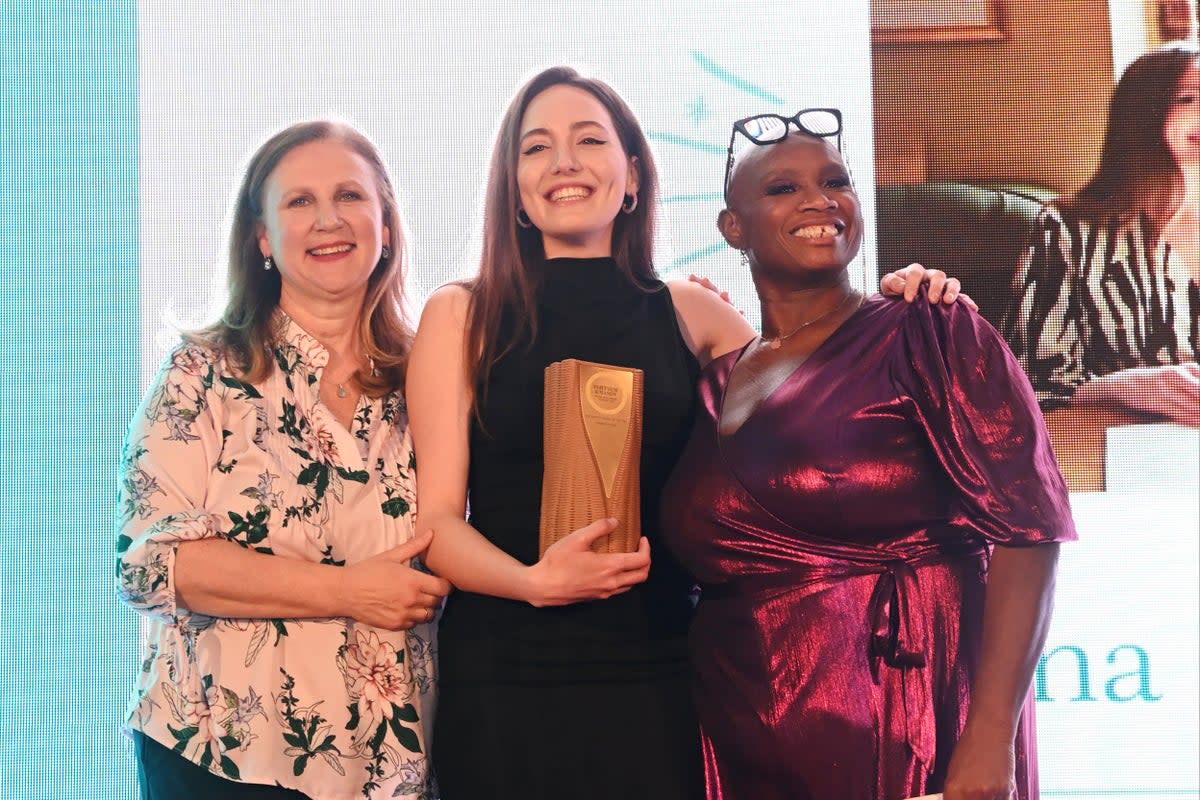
428	83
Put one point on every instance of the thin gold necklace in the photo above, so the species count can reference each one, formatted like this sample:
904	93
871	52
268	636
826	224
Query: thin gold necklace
343	391
776	342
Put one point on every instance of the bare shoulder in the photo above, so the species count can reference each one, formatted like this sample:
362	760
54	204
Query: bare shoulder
448	303
440	334
710	326
685	291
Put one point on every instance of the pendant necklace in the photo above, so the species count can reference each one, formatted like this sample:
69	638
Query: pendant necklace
777	342
343	390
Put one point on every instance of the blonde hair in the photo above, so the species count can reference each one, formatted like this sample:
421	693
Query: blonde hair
245	330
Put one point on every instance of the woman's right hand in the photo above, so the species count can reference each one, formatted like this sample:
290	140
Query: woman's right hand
385	592
712	287
570	572
1171	393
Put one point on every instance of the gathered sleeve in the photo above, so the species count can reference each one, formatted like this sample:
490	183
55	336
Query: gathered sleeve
983	423
1044	323
172	446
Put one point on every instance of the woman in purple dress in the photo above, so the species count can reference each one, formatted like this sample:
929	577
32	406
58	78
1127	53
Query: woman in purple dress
871	504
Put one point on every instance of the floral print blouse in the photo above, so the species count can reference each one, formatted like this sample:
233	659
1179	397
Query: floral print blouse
330	707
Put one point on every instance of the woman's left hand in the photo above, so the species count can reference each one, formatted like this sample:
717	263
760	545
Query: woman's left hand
941	286
982	767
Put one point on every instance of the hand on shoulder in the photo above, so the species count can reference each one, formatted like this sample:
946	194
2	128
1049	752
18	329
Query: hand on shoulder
933	284
710	326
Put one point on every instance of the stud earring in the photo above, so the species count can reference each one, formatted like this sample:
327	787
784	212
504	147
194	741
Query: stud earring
385	253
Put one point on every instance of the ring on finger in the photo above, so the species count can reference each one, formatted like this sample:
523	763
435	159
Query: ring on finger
432	614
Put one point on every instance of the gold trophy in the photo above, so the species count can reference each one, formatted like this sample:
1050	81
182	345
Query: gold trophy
593	446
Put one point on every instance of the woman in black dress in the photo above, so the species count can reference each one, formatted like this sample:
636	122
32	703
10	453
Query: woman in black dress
563	677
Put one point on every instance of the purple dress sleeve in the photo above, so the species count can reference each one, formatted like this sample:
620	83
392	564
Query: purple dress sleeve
981	417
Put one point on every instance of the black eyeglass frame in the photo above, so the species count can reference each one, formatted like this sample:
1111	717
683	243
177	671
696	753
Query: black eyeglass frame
740	127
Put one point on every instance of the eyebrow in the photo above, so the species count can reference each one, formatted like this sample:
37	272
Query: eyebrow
831	170
585	123
352	183
300	191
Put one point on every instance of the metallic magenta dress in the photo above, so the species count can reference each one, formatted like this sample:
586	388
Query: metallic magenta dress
841	539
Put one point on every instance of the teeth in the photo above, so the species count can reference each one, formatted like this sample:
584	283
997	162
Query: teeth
328	251
569	193
815	231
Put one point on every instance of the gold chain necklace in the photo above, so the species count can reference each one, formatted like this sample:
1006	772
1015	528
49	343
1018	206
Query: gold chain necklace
342	389
777	342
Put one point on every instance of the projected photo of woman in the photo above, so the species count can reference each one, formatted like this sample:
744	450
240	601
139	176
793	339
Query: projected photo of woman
1107	309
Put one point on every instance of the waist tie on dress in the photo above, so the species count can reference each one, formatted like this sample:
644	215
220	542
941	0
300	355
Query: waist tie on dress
896	629
897	638
894	611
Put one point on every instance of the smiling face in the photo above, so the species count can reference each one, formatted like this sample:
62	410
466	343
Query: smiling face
1181	128
322	222
572	173
792	207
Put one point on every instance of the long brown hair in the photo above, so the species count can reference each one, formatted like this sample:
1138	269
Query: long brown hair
512	256
1137	173
245	329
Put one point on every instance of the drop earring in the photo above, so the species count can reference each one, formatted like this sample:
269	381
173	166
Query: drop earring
268	264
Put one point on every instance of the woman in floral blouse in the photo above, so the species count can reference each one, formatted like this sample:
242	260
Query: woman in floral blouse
267	503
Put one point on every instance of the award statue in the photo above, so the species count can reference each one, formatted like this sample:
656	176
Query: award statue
593	445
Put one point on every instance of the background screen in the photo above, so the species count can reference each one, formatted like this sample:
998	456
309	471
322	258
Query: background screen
125	126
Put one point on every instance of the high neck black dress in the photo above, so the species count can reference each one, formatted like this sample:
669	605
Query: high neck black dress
589	700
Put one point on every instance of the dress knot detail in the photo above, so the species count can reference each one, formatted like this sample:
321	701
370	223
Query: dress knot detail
898	640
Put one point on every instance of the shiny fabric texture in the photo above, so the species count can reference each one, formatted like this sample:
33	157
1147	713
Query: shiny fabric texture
841	538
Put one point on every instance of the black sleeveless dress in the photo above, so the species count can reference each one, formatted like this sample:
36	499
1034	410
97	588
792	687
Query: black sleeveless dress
589	700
